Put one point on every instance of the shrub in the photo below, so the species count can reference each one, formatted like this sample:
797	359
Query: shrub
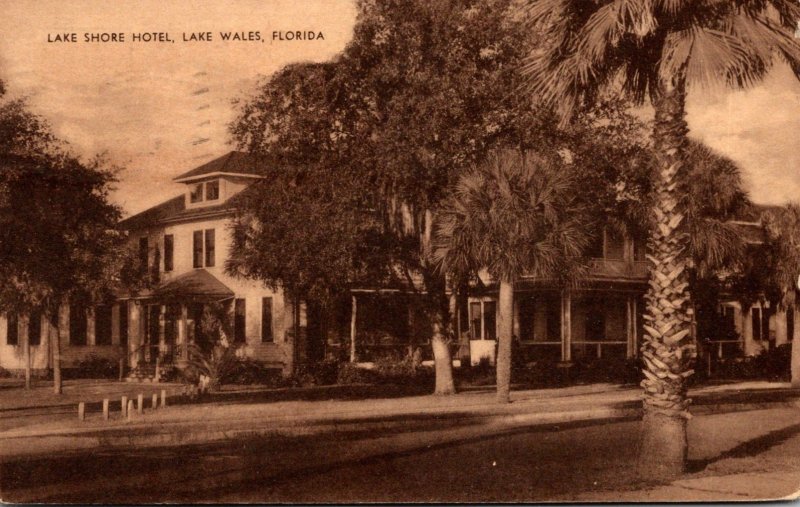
93	366
248	371
622	370
773	365
481	374
349	373
208	370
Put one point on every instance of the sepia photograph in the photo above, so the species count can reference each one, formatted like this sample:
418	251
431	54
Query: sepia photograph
399	251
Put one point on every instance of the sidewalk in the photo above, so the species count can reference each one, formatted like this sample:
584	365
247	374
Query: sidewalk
195	423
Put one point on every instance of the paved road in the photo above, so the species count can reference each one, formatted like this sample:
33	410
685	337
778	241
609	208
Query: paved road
438	461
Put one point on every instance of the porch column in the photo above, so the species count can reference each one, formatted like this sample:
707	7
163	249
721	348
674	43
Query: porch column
634	320
629	325
353	314
183	335
566	326
162	329
90	327
134	332
750	348
781	335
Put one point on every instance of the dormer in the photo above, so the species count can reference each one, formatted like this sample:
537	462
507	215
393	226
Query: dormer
217	181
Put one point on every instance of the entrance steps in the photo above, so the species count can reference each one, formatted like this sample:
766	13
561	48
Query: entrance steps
147	373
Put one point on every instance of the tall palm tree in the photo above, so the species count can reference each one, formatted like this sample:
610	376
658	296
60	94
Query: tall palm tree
782	228
654	48
515	214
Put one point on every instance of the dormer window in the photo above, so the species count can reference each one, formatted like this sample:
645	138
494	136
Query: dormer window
196	195
212	190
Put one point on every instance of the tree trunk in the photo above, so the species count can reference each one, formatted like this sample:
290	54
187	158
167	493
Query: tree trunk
27	356
505	318
795	368
668	348
60	323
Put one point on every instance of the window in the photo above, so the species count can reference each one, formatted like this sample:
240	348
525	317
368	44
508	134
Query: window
77	325
209	247
123	323
239	321
102	325
790	323
595	248
12	334
35	328
489	320
199	238
197	249
527	320
212	190
756	319
475	321
196	195
169	251
143	251
639	248
615	246
483	323
266	320
595	321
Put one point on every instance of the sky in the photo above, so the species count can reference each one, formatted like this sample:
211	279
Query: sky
162	108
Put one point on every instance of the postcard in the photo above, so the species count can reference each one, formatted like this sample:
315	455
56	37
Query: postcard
347	251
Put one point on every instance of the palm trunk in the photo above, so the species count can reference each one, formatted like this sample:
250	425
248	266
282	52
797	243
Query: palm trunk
668	348
505	318
443	362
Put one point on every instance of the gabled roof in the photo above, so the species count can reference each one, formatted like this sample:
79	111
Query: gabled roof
233	163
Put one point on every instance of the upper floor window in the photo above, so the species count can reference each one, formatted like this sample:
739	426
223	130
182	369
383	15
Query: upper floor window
169	252
143	251
212	190
196	195
595	247
203	248
210	248
197	249
615	245
208	191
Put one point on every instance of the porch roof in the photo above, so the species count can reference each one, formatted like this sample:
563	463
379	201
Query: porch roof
197	285
194	285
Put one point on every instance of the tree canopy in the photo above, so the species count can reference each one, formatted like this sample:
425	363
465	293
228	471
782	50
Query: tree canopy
58	234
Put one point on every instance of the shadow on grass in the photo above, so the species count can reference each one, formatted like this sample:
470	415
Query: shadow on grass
238	465
747	449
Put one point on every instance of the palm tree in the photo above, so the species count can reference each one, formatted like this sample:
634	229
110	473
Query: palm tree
782	228
515	214
654	48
